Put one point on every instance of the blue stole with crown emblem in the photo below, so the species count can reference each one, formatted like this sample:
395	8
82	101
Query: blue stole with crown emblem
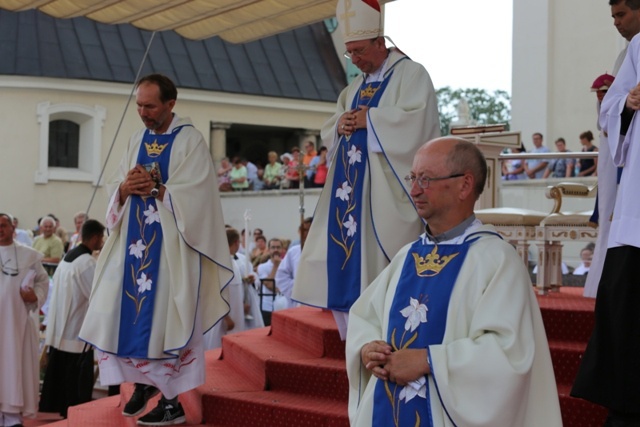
345	210
144	243
417	319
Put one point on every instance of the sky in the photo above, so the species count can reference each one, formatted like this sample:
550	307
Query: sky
462	43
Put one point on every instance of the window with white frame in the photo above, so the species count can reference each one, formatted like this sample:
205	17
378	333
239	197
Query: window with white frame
70	142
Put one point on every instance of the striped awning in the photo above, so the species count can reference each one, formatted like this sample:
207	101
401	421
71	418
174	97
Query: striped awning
236	21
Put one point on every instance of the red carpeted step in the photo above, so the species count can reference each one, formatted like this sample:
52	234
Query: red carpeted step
579	412
224	376
566	357
101	412
311	329
567	315
250	351
273	409
324	377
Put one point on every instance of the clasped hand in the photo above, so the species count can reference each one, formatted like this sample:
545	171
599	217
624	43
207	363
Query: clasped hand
400	367
138	181
353	120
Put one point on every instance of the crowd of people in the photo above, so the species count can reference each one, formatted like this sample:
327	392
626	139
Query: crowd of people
520	169
279	172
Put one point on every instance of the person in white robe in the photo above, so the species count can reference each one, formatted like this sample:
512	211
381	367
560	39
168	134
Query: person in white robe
609	372
67	380
450	333
364	214
251	284
24	284
288	269
234	321
626	19
267	275
158	281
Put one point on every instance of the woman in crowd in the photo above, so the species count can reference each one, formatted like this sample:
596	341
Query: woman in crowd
514	169
272	172
224	181
588	167
238	175
292	173
320	164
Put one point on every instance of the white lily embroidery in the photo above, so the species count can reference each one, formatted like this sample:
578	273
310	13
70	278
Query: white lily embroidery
152	215
415	313
413	389
144	284
351	225
137	248
355	155
343	191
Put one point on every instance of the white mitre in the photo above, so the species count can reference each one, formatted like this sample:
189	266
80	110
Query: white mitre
359	19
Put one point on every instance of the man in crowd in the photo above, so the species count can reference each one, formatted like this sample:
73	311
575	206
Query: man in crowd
451	331
267	274
288	268
609	372
535	168
22	236
23	288
68	381
626	19
157	284
364	215
560	168
78	219
47	243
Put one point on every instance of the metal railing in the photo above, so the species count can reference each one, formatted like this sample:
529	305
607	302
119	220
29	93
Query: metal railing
552	155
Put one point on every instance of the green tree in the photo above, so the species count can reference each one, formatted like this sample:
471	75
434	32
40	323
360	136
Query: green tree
485	108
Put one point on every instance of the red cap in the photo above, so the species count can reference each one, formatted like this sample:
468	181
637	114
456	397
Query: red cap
603	82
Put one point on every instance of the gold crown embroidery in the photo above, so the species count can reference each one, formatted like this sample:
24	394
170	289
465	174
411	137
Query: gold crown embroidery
432	264
154	150
368	92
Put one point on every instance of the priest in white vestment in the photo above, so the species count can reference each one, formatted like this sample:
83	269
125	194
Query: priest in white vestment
450	333
158	281
609	372
365	215
23	289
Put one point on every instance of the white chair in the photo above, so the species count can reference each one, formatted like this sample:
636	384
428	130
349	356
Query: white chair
558	227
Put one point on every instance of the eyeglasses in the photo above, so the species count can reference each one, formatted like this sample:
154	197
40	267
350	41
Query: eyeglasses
424	181
357	52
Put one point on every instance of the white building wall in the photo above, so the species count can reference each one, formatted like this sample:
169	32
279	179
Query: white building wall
19	145
559	48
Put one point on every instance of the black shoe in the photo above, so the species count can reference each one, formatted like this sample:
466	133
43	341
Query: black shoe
165	414
138	402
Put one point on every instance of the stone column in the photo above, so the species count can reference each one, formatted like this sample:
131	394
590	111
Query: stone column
218	138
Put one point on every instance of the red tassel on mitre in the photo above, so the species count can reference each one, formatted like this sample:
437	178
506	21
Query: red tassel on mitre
373	3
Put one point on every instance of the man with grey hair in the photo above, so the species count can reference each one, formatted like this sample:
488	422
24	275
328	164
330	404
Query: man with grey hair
364	215
23	289
451	331
47	243
78	219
